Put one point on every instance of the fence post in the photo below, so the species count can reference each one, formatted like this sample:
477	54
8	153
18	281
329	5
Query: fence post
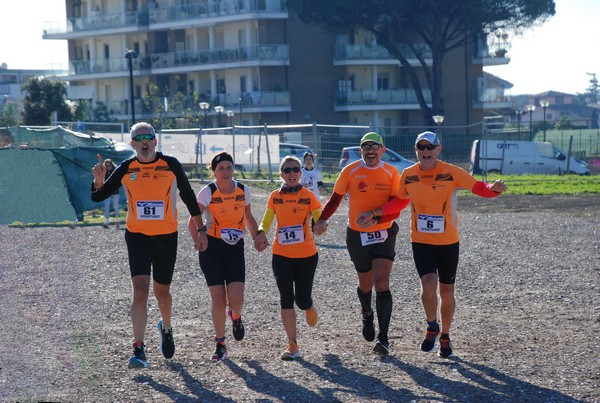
265	131
315	143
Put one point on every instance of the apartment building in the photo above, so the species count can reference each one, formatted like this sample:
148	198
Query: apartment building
255	58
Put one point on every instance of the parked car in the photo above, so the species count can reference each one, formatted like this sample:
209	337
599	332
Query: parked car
351	154
296	150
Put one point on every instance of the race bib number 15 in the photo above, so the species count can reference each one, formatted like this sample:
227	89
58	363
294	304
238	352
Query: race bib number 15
150	210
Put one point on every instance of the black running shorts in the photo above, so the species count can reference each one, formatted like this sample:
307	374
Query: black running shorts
222	263
440	259
152	253
362	256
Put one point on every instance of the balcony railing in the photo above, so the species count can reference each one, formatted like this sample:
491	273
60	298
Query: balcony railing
278	53
212	9
364	52
379	97
100	66
100	21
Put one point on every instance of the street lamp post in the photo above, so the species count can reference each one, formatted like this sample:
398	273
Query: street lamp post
230	115
544	104
219	109
518	112
204	107
530	109
130	55
438	120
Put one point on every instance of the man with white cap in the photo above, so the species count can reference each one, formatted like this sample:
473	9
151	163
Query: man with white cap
369	182
431	185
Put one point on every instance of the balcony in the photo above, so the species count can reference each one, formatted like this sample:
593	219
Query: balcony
398	99
207	59
491	98
365	54
101	24
105	68
495	55
206	13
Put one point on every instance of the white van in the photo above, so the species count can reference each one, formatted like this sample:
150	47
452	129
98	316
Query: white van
521	157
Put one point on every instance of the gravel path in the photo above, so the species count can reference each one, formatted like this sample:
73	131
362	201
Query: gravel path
526	326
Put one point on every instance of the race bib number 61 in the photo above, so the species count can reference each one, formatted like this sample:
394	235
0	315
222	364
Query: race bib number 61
150	209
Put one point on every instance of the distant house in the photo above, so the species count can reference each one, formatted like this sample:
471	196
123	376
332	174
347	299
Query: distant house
561	104
12	79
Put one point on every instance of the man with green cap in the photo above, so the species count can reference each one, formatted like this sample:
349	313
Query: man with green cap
368	183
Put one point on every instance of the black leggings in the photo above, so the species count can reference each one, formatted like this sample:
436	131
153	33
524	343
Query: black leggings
300	271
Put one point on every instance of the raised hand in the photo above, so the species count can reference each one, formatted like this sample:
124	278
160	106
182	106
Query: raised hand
99	172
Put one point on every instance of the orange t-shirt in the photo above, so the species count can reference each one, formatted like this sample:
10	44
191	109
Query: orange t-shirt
293	235
367	189
433	201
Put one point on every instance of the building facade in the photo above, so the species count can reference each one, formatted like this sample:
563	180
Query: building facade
256	59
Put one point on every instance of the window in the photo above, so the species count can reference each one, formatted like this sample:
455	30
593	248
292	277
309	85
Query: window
383	81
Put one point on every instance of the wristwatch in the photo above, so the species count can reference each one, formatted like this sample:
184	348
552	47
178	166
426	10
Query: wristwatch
202	228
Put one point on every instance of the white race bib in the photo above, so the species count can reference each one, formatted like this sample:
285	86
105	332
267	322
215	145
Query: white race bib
290	235
430	223
369	238
231	235
150	210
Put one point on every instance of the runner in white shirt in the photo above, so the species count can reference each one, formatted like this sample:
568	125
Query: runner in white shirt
311	176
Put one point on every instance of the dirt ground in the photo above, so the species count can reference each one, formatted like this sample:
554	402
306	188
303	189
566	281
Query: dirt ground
526	328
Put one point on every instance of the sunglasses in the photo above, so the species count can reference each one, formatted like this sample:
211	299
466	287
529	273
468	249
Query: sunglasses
289	170
373	147
140	137
426	147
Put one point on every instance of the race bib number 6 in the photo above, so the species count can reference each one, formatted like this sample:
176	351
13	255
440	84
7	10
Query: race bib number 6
430	223
150	210
369	238
290	235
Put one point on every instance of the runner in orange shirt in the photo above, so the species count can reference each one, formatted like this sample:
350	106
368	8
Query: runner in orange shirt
369	182
295	254
431	185
229	214
151	181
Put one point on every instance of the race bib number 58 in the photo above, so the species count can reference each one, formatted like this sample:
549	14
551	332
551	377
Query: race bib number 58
150	210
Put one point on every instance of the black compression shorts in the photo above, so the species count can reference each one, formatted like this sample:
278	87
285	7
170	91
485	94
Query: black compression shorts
156	253
223	263
440	259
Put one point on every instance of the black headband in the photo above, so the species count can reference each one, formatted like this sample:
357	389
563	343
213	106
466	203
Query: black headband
220	158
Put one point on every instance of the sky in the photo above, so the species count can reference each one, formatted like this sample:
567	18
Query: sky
554	56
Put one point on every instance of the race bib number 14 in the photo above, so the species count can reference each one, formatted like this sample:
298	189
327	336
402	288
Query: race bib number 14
290	235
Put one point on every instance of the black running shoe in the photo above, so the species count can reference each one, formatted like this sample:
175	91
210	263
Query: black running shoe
138	359
368	327
167	344
428	344
237	327
382	347
445	348
220	353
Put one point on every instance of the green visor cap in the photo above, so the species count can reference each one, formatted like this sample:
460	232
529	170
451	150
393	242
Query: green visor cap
372	136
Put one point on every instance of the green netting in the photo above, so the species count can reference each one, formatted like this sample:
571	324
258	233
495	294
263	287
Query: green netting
50	185
55	137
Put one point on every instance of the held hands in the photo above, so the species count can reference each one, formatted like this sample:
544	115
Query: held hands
365	219
99	172
201	241
260	242
320	227
498	186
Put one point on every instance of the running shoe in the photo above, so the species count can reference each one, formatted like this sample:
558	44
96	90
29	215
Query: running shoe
445	348
368	330
312	317
382	347
138	359
237	326
428	344
167	344
220	353
292	352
